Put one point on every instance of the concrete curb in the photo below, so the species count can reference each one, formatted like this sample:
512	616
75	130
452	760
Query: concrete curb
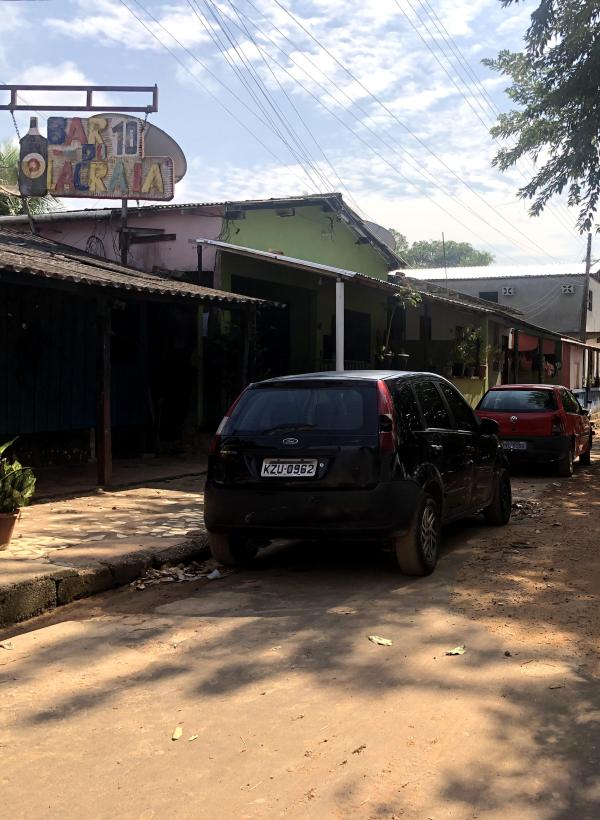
55	585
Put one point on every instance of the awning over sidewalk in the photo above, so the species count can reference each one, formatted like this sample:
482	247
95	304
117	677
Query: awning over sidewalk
43	258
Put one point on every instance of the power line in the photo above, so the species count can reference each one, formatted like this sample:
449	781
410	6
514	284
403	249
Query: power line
403	125
200	83
246	77
449	40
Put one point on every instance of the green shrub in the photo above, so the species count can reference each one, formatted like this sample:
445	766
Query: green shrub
17	483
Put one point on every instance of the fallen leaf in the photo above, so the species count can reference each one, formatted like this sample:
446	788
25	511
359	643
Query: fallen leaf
380	641
193	737
6	645
557	686
177	733
458	650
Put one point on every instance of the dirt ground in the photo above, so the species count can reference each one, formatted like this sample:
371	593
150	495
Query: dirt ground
286	709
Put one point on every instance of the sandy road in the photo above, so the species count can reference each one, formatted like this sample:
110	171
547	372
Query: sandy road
297	714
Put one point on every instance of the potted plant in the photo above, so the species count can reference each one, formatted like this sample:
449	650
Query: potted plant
472	339
17	485
459	358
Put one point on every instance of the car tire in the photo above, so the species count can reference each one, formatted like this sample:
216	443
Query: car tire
498	512
417	551
586	457
566	464
231	550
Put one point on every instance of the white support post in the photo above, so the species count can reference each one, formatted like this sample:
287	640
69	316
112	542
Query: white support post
339	325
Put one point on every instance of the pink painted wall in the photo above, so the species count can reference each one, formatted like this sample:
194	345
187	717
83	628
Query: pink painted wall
201	223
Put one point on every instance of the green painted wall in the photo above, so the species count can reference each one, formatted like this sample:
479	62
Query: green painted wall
311	301
311	234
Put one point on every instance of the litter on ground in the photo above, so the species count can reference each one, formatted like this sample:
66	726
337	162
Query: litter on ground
380	641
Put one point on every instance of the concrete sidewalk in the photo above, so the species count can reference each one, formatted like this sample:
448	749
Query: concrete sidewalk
70	548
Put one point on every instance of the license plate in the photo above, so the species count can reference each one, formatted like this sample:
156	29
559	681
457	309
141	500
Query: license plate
514	445
299	468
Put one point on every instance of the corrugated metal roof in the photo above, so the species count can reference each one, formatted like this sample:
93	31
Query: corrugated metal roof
453	298
33	255
498	271
334	200
106	213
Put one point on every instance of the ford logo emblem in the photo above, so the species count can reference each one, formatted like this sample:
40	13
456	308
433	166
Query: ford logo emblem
290	441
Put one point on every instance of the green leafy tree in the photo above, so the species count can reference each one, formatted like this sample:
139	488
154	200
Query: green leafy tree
429	253
556	121
11	203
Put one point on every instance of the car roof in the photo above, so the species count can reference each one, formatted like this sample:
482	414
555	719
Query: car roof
525	387
350	375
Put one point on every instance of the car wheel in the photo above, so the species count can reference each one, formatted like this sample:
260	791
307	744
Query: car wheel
566	464
231	550
417	550
586	457
498	512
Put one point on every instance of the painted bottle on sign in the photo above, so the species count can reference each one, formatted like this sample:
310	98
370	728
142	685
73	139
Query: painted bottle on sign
33	159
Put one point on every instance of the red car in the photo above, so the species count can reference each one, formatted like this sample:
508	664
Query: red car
540	423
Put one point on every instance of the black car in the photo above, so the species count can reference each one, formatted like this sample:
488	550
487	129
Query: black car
362	455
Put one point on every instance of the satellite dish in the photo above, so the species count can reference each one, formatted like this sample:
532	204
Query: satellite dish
157	143
385	236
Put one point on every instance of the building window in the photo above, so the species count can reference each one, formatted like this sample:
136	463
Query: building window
568	288
590	299
489	295
508	291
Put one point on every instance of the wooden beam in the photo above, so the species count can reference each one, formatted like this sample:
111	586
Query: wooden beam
103	424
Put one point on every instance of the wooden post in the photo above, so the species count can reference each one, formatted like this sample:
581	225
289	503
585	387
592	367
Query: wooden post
200	365
124	237
103	425
541	360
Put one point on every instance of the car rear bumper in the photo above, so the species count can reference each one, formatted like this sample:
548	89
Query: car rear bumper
350	514
539	448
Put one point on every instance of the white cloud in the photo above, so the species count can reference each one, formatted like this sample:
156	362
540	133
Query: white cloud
112	24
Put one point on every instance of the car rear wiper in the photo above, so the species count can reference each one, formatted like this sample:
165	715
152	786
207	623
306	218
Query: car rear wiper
287	428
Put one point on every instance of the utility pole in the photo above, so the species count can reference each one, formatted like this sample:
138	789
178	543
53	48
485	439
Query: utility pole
584	312
445	263
586	289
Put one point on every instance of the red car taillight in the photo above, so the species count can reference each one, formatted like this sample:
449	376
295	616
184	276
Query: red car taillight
558	426
387	419
215	444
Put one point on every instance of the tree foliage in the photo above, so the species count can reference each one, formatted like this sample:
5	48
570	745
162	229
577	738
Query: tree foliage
556	88
429	253
10	203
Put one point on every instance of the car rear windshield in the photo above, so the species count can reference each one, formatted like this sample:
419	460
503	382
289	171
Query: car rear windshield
272	410
522	401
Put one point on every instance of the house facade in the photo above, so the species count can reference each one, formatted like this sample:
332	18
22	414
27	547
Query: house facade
560	298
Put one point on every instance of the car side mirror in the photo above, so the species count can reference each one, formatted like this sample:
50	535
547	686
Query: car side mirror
489	427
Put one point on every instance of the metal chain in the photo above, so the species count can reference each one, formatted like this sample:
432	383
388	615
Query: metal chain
14	119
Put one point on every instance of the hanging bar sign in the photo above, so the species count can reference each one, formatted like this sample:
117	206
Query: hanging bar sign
103	157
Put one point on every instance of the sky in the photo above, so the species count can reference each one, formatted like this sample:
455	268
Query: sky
384	100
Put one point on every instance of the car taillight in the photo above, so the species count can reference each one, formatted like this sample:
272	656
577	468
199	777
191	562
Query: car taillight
387	418
215	444
558	427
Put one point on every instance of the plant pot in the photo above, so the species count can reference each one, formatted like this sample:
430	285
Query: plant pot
7	525
403	360
458	369
481	371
